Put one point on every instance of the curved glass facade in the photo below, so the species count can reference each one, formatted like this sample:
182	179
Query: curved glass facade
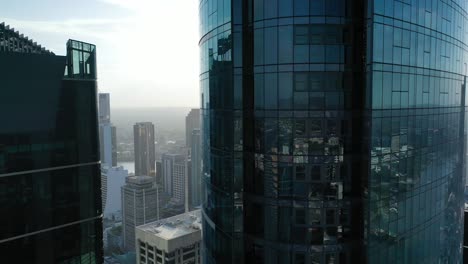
333	131
416	68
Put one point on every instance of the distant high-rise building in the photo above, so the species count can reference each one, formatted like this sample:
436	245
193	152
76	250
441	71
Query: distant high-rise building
196	171
114	145
115	179
144	144
104	108
50	190
173	171
192	121
175	240
139	206
106	144
107	132
333	131
179	174
159	174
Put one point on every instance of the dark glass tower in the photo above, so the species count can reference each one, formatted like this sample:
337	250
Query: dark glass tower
333	130
145	159
50	190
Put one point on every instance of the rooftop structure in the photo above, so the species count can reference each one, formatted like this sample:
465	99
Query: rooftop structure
175	238
13	41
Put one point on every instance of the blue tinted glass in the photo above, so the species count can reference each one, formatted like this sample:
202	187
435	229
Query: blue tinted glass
271	91
259	91
379	6
285	8
377	90
285	90
317	7
258	9
258	47
271	9
301	53
301	7
378	43
285	45
388	44
271	45
317	54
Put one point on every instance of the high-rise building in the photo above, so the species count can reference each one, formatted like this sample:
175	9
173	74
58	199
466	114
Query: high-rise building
115	179
145	159
194	185
139	206
50	190
179	175
107	132
174	168
174	240
159	175
333	131
104	108
114	146
192	121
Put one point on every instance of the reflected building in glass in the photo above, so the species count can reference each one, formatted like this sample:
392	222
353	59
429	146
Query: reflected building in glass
50	189
333	131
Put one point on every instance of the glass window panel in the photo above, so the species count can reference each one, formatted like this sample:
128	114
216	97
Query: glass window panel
258	47
388	44
301	34
387	90
285	90
271	91
379	6
258	9
334	7
300	173
315	174
301	80
301	7
301	100
316	100
285	44
271	45
315	128
317	7
259	91
332	100
378	43
271	9
285	8
316	81
301	54
333	53
377	90
317	53
227	12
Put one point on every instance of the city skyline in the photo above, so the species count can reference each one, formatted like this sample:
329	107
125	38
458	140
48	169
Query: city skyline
328	131
123	27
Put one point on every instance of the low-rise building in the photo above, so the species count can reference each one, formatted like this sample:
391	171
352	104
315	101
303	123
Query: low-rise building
172	240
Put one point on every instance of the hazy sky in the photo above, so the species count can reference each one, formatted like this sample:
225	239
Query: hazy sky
147	50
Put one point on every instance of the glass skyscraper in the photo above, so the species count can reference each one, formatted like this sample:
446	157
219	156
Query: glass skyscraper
50	190
333	131
145	159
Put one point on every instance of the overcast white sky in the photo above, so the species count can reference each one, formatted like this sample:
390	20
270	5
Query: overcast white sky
147	49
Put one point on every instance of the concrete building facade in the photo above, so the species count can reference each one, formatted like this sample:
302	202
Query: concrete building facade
174	240
139	206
